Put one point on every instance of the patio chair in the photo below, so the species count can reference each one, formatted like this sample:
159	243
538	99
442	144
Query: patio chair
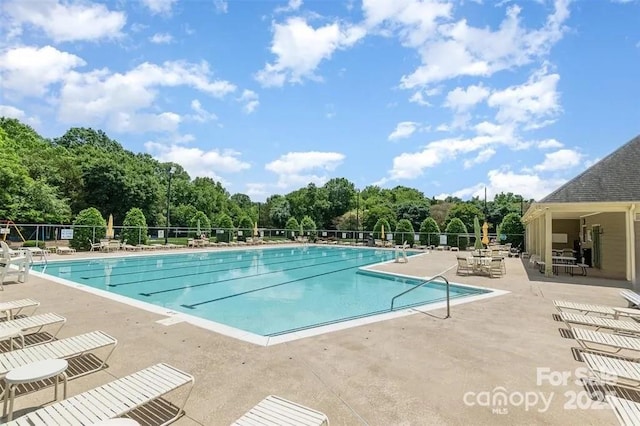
37	322
277	411
496	268
619	326
463	266
616	342
613	371
15	266
95	246
59	349
631	296
17	305
627	411
113	399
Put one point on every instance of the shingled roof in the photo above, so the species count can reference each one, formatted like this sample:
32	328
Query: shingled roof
614	178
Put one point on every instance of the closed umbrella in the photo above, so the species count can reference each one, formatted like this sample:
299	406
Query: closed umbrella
198	233
382	233
255	229
476	229
110	232
485	234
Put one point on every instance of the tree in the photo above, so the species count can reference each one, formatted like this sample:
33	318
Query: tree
89	226
465	212
429	232
513	228
348	221
199	220
245	224
279	210
308	227
292	226
224	221
413	210
439	213
457	234
377	228
135	227
242	200
375	213
404	232
340	195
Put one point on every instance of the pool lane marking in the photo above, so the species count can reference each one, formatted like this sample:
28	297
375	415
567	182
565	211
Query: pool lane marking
194	305
245	277
213	270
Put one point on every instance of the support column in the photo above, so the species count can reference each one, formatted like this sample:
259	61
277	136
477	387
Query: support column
631	245
548	254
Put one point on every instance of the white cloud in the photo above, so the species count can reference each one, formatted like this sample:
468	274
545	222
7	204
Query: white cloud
130	122
418	98
159	6
300	48
257	190
161	38
101	96
559	160
292	6
13	112
403	130
65	21
250	100
482	157
460	99
201	115
198	162
221	6
525	103
549	144
295	168
460	49
29	71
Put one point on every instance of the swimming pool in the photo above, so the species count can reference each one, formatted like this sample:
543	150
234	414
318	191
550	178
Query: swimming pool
264	291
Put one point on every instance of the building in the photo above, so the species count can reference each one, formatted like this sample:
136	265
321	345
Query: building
597	214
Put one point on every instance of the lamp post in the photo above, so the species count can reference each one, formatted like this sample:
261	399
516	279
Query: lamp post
357	214
172	170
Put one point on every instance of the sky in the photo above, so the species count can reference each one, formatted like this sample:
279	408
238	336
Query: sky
449	97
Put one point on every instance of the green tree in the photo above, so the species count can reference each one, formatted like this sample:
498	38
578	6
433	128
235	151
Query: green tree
182	214
377	228
201	219
404	232
375	213
245	224
292	226
457	234
465	212
308	227
135	227
413	210
224	221
439	212
429	232
279	210
513	228
340	195
89	226
350	221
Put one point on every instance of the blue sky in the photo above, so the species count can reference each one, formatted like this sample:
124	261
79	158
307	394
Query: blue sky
267	96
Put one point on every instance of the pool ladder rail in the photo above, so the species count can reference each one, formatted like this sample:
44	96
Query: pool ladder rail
424	283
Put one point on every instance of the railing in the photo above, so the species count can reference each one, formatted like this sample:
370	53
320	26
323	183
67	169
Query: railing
420	285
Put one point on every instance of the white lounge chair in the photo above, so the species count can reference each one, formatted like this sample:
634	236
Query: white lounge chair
617	342
14	307
37	322
276	411
113	399
585	308
613	371
631	296
601	323
627	411
58	349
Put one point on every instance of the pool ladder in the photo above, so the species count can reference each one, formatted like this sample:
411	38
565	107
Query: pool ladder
420	285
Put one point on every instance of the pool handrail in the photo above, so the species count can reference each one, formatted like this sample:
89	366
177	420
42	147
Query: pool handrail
420	285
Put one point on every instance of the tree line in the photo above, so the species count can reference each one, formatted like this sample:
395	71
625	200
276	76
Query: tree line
52	180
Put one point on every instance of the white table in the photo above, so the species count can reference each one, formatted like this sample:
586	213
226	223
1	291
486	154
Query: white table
626	312
31	373
10	334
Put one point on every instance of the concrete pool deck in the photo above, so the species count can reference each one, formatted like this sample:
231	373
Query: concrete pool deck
413	370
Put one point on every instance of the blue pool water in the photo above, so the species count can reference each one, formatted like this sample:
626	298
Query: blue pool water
264	291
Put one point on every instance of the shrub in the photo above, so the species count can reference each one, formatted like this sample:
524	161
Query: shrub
404	232
457	234
134	227
377	228
245	224
292	227
92	220
429	232
224	221
308	227
205	225
513	228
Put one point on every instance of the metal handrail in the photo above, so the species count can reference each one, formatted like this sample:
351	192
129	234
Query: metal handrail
420	285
